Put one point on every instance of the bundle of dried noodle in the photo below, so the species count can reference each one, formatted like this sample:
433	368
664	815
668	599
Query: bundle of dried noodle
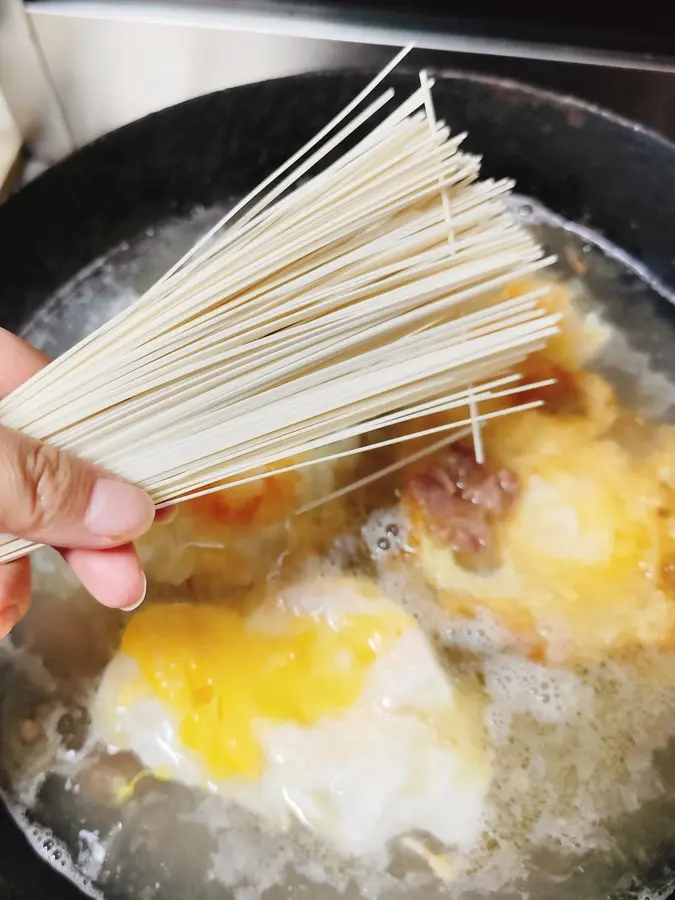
359	298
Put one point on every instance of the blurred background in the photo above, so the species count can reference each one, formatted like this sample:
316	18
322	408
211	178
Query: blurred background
71	70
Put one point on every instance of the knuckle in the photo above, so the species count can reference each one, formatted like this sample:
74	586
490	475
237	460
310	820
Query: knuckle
47	486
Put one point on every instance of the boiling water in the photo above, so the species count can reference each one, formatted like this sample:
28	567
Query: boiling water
583	795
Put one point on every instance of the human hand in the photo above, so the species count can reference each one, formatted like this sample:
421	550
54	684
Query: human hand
53	498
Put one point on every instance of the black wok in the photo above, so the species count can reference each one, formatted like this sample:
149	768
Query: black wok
584	164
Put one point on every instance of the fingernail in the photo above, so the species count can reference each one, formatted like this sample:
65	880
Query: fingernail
166	515
9	617
118	510
138	602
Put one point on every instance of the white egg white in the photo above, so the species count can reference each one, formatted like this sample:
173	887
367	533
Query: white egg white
380	770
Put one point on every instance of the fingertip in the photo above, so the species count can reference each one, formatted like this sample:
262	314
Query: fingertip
14	594
118	511
114	577
166	515
138	602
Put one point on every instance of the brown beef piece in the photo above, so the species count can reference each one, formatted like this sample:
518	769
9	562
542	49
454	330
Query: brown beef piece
463	501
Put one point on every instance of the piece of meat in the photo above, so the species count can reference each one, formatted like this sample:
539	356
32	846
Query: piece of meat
463	501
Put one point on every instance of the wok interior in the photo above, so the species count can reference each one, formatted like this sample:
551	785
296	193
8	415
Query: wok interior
632	307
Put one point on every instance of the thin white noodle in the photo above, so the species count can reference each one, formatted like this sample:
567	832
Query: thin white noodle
332	307
394	467
447	215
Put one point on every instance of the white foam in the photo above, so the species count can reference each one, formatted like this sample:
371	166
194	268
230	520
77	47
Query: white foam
49	848
386	533
92	854
519	686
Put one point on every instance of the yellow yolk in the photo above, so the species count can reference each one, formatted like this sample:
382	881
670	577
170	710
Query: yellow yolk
588	511
256	502
220	676
586	553
580	337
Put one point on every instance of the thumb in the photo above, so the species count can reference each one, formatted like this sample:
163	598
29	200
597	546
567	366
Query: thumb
50	497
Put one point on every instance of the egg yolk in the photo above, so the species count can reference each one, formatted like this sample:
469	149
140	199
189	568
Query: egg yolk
584	554
220	676
588	511
255	502
579	338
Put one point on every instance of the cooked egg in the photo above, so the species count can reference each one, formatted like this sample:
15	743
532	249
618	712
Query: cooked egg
324	705
225	540
581	336
582	550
